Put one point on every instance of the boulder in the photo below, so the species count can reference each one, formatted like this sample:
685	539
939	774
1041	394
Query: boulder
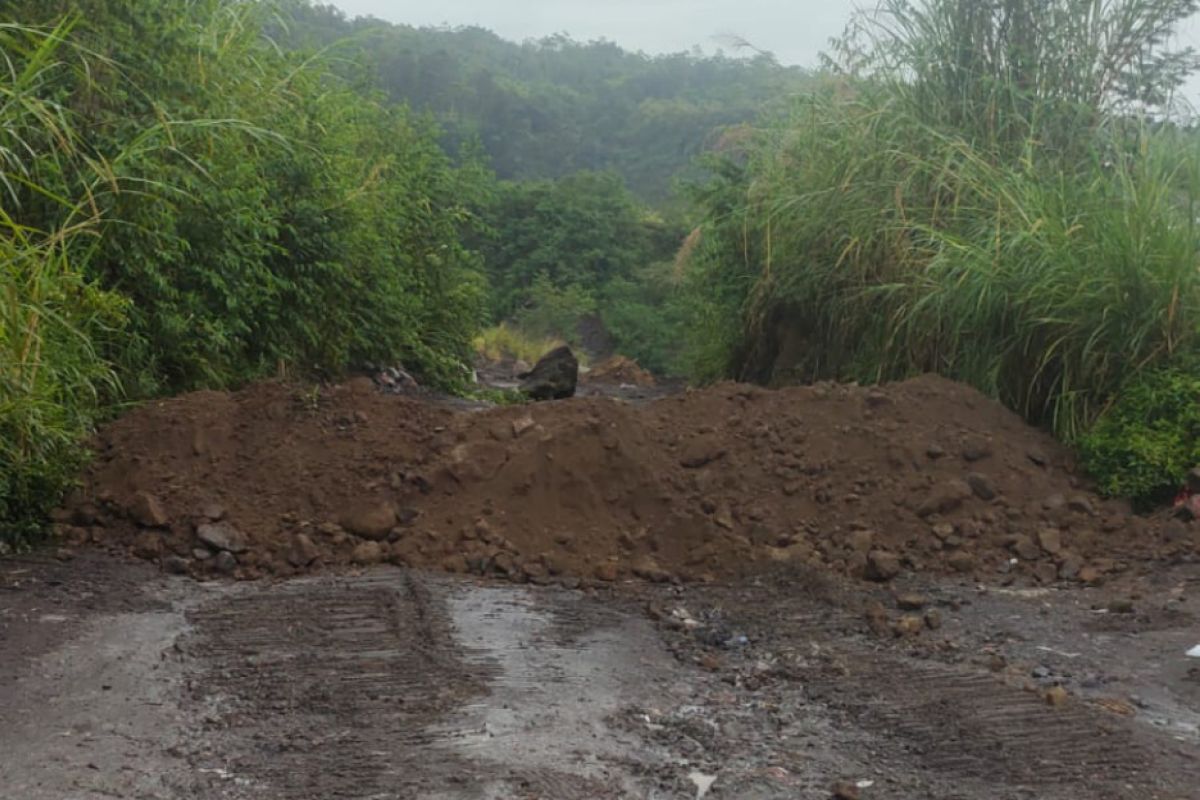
554	377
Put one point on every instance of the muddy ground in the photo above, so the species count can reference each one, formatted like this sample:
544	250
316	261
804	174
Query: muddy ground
119	682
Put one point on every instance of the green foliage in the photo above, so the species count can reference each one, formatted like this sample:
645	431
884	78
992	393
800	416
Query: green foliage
551	108
52	381
234	210
645	316
1144	446
554	311
963	216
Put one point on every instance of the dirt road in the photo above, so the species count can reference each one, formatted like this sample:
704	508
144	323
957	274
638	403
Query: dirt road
116	682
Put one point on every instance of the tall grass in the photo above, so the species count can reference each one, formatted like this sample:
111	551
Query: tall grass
52	380
983	196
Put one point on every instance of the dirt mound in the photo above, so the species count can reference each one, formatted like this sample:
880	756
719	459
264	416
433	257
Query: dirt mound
619	369
921	475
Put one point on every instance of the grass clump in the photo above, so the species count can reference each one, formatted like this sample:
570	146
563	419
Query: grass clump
992	192
507	342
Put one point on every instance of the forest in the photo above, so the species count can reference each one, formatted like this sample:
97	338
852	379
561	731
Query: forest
201	193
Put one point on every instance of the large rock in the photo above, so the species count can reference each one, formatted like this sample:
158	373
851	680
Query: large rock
554	377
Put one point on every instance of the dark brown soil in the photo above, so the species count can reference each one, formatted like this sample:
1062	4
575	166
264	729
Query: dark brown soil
920	476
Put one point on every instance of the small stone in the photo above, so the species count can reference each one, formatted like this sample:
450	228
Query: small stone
1069	569
223	536
945	498
303	551
145	510
1056	696
943	531
606	572
523	424
961	561
648	569
846	791
147	545
1054	502
1090	575
201	553
982	486
374	522
1120	606
882	565
724	518
877	618
976	451
1025	548
175	565
911	602
935	451
1050	540
909	625
225	562
367	554
1037	457
861	541
213	512
933	619
1081	504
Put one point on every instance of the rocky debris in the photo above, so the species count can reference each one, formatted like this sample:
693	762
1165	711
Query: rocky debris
1050	540
145	509
983	486
554	377
225	563
711	484
223	537
947	497
367	554
175	565
845	790
911	602
1056	696
882	566
374	522
933	619
909	625
303	551
147	545
395	380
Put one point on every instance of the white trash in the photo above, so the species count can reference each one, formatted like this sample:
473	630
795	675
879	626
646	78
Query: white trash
1194	652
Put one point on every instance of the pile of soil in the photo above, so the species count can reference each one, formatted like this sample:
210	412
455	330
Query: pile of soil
925	475
619	370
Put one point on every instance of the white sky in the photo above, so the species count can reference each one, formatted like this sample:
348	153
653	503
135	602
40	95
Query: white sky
794	30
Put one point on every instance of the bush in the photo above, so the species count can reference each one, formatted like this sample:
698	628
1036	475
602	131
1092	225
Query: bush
1144	446
961	216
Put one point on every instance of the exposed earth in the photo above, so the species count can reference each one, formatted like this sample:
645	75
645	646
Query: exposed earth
897	592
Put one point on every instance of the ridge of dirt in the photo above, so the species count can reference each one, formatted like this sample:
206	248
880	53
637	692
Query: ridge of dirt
924	475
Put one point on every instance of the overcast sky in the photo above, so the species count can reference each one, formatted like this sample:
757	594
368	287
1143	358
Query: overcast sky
796	31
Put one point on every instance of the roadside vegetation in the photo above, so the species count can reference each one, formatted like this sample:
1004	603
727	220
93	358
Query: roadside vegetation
999	194
200	193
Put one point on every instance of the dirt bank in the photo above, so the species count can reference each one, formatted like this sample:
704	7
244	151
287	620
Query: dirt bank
921	476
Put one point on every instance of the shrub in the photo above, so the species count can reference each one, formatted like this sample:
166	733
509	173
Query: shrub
1144	446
